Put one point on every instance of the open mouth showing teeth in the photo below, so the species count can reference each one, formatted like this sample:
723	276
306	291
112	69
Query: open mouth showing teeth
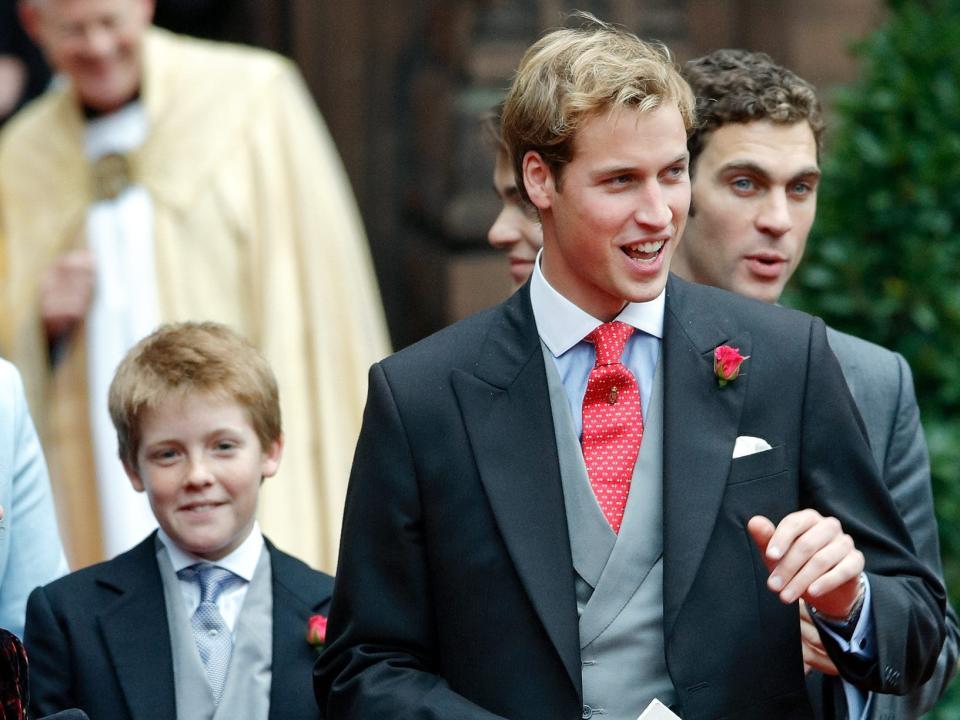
644	252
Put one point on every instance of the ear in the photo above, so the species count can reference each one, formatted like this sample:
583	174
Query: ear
538	180
134	476
30	20
271	458
149	7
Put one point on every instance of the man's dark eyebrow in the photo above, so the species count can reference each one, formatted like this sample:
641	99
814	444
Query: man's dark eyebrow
744	166
755	169
810	172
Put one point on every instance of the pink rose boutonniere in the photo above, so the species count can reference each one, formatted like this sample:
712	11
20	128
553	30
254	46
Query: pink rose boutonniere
317	631
726	363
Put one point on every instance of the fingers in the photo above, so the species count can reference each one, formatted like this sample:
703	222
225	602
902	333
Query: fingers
814	654
808	562
790	528
761	530
66	290
809	556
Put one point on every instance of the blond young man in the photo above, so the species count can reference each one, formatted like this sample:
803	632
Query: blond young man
491	568
206	617
755	174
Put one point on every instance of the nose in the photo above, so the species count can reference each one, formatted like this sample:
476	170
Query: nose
198	473
773	217
99	41
503	234
653	211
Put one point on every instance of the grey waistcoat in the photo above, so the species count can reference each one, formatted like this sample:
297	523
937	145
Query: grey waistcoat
619	578
246	693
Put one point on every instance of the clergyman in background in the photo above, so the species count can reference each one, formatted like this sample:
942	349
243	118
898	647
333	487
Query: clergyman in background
169	178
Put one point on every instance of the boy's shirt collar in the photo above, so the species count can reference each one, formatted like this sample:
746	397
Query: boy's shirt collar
242	561
561	324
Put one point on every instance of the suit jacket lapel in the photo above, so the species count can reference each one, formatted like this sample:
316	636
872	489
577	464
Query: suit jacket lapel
297	594
506	409
136	634
700	424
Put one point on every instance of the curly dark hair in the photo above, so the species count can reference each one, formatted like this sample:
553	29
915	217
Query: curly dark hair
738	86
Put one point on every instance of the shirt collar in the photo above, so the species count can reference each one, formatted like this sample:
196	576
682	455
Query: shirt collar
242	561
561	324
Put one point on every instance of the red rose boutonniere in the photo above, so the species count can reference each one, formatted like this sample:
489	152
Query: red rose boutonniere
726	363
317	631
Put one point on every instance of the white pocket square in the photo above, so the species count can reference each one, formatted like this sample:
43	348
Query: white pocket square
657	711
747	445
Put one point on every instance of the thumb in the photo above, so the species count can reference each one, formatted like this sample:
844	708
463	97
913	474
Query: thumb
761	531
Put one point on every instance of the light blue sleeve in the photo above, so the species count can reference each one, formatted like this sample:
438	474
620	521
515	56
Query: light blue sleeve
861	643
31	553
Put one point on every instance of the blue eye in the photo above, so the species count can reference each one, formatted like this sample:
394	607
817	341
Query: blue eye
163	455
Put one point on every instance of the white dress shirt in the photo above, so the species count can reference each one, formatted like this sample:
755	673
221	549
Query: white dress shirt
242	562
563	326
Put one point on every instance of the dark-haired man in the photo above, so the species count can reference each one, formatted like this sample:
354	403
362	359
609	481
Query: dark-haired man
754	165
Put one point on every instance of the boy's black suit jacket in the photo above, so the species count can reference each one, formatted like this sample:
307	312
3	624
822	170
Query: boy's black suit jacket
455	589
98	639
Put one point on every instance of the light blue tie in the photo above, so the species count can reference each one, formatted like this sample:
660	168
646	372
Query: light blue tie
210	630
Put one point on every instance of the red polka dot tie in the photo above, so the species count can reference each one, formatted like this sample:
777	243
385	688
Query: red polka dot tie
612	422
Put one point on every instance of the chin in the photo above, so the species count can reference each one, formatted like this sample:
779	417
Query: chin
647	291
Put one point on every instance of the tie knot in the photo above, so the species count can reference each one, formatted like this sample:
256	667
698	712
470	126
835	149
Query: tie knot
609	340
213	580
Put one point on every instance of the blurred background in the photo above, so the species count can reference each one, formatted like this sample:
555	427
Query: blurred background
404	86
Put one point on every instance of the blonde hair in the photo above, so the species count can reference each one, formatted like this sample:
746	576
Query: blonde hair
187	358
574	74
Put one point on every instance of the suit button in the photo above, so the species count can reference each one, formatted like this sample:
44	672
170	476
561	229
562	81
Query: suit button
587	712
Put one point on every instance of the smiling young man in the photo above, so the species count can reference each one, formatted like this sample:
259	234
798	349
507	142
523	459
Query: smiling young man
755	172
601	521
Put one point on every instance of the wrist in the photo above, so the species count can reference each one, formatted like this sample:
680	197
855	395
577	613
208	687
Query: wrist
850	619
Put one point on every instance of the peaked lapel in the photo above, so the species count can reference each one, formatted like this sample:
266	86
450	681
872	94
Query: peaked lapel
506	410
135	632
298	593
700	423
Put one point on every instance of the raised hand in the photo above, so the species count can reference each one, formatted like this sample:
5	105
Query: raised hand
810	557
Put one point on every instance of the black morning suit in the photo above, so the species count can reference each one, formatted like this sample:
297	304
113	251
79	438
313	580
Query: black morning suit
455	590
98	639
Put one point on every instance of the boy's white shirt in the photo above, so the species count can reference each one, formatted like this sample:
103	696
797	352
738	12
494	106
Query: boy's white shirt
241	562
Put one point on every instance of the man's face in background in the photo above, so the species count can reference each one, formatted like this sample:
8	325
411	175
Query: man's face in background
754	199
98	44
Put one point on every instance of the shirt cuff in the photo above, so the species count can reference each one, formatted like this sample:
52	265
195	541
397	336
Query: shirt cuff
862	642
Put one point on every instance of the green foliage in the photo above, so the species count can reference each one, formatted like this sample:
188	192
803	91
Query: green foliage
884	257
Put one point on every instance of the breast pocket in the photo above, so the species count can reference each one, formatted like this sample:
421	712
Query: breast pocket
760	484
757	466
